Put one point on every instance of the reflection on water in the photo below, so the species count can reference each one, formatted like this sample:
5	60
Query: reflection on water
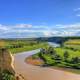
54	44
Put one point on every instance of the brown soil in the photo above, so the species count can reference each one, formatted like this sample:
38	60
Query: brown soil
36	62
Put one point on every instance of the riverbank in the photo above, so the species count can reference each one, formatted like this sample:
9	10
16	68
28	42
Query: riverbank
33	61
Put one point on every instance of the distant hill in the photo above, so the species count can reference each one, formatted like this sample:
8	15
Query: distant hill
56	39
49	39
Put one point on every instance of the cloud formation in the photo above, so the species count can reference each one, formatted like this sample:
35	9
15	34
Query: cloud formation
78	15
28	30
77	10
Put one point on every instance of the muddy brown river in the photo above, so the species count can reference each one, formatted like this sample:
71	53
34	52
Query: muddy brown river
30	72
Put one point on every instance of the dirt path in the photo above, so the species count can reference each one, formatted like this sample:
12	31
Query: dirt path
30	72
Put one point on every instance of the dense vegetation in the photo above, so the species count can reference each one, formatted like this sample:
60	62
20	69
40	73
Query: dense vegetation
66	56
6	75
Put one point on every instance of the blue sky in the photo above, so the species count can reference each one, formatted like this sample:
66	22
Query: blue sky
39	18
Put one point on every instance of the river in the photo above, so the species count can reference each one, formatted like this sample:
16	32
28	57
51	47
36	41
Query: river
31	72
53	44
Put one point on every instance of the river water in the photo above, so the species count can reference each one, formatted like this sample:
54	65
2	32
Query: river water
53	44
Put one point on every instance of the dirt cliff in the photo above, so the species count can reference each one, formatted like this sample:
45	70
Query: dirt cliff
6	60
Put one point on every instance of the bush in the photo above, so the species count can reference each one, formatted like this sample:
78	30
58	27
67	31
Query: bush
75	60
6	75
51	51
66	56
76	66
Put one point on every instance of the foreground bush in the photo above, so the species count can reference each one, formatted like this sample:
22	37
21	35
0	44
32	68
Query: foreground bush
6	75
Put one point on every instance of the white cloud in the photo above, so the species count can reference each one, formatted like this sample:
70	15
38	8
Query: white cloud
70	26
68	33
2	27
27	30
68	30
50	33
77	9
23	26
78	15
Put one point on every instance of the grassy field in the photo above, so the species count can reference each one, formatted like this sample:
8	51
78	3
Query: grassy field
73	49
16	46
72	53
29	47
73	42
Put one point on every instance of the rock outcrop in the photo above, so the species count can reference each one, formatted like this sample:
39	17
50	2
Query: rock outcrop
6	61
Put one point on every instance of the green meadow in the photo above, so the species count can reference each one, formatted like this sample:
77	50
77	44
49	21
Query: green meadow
16	46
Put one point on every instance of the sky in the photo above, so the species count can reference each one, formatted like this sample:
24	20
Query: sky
39	18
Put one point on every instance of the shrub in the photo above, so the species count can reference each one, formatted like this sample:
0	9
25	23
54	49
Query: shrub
66	56
6	75
51	51
75	60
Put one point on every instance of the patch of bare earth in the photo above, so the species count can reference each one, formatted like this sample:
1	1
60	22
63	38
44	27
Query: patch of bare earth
36	62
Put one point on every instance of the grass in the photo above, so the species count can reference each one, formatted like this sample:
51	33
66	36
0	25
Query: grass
73	42
16	46
72	53
28	48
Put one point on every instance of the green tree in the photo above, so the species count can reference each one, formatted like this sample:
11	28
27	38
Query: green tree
75	60
66	56
51	51
43	51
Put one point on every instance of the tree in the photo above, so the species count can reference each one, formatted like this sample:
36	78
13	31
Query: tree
66	55
75	60
51	51
42	57
43	51
57	58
